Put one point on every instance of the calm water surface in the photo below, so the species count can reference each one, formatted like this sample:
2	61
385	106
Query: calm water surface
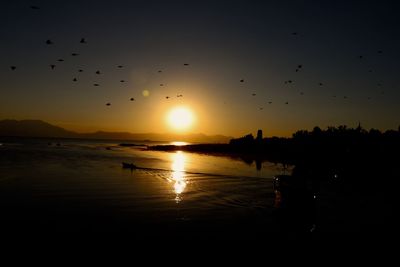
74	185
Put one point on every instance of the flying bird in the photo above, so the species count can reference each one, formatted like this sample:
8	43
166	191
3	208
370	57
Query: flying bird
161	84
13	67
98	72
74	54
270	102
380	52
96	84
253	94
35	7
286	103
159	71
108	104
167	97
83	41
185	64
179	95
132	99
320	84
80	70
261	108
122	81
52	66
294	33
120	66
60	60
75	79
49	42
242	81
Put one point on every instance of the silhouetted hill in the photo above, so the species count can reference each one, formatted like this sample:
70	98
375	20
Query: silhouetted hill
38	128
33	128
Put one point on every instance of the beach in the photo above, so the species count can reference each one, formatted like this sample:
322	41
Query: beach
79	186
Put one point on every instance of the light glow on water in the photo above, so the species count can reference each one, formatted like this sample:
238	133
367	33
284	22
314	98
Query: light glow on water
178	174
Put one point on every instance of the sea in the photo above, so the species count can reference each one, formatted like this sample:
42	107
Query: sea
50	185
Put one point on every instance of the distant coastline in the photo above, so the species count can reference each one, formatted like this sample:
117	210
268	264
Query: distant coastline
38	128
334	146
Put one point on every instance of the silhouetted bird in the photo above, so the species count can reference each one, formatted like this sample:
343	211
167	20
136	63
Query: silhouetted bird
83	41
96	84
370	71
120	66
98	72
167	97
286	103
75	79
60	60
132	99
380	51
108	104
261	108
345	97
35	7
179	95
49	42
360	57
294	33
161	84
13	67
80	70
253	94
52	66
185	64
159	71
270	102
122	81
242	81
74	54
320	84
299	66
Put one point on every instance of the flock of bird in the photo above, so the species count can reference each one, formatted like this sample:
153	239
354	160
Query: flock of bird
83	41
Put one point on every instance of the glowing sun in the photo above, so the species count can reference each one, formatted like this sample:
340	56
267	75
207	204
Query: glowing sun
180	118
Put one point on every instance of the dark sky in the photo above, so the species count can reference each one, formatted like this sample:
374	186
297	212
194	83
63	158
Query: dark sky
352	48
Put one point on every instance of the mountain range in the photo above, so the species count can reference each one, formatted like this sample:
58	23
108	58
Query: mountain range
39	128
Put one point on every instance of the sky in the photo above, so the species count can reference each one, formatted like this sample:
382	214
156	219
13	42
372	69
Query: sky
346	54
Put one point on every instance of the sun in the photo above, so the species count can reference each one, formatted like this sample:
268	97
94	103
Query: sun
180	118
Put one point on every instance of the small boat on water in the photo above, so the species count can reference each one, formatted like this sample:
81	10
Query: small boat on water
126	165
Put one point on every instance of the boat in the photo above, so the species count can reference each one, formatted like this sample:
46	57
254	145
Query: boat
126	165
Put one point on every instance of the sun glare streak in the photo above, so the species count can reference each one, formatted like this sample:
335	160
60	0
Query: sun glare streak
178	176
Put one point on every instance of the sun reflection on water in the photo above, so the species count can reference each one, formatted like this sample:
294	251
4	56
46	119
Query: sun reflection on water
178	175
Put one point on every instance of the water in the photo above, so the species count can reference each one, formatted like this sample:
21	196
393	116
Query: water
80	185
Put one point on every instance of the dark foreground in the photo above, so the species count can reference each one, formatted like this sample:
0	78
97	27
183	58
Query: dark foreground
69	192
